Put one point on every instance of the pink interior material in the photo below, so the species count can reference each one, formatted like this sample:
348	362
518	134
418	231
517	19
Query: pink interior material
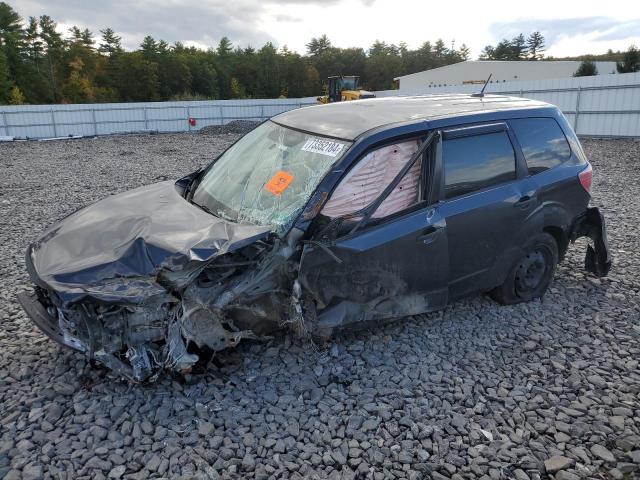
369	178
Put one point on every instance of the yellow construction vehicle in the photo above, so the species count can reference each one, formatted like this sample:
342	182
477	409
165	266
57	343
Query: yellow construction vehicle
341	88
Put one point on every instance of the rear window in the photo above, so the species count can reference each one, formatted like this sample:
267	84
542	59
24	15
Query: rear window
543	143
477	162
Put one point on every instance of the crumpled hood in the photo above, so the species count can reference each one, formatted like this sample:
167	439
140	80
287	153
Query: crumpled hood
113	249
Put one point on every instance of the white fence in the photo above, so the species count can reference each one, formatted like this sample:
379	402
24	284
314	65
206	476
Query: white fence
52	121
604	105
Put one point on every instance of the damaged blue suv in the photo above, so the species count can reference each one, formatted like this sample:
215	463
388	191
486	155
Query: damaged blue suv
321	218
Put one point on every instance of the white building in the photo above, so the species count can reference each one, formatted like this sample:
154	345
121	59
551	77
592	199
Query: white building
477	71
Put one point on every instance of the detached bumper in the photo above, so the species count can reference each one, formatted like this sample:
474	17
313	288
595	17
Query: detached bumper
598	258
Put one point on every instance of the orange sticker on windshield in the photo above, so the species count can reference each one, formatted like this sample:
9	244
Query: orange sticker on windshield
279	183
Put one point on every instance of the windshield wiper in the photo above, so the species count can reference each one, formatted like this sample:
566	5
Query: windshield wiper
211	212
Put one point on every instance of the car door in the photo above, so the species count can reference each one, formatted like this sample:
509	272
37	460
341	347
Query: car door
486	199
394	265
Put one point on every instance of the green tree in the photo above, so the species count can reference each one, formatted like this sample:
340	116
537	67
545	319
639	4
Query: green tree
174	75
204	77
535	46
110	43
15	96
586	69
54	49
5	82
149	47
134	78
630	61
318	46
34	43
87	38
312	82
383	64
237	90
465	52
78	88
268	78
224	47
519	48
488	53
44	67
12	42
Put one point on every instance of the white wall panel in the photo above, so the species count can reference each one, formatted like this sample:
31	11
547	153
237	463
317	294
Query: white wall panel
608	105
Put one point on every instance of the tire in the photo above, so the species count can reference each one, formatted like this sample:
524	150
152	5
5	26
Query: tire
531	275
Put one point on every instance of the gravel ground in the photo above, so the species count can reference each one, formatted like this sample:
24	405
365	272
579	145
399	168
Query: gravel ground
544	390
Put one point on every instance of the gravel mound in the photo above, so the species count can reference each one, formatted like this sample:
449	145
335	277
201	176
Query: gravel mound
543	390
236	126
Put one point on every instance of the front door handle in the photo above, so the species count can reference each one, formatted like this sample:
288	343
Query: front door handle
430	234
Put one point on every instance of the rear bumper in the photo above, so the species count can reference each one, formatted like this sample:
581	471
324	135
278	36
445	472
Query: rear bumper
598	257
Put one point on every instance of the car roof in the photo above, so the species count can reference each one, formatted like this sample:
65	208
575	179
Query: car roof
349	120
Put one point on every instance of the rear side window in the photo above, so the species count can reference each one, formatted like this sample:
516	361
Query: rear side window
477	162
543	143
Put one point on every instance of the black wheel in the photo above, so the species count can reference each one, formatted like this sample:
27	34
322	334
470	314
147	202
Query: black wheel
531	275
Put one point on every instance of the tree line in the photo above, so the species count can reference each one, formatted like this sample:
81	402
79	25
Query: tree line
518	48
40	65
533	47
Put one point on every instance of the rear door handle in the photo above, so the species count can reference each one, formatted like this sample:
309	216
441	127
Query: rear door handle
430	234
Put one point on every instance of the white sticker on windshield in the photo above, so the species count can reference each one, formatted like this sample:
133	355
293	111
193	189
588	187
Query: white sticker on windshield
323	147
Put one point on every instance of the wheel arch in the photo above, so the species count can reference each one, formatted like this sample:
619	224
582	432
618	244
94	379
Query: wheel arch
561	237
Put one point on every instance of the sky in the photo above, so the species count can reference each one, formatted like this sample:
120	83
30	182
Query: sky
570	28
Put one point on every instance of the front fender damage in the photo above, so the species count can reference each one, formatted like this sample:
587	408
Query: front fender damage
187	316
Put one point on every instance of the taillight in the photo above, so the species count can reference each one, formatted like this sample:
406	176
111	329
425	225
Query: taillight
586	178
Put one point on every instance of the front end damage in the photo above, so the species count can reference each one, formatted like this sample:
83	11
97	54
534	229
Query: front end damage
162	290
239	295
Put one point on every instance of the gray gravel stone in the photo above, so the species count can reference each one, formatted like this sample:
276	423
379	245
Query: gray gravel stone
566	475
475	391
117	472
602	453
557	463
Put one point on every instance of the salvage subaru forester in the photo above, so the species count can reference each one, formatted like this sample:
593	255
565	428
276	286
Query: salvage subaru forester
321	218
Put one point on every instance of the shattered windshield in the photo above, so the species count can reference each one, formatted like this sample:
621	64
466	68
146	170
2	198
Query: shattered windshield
267	177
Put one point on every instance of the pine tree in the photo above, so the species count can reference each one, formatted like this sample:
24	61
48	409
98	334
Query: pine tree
488	53
54	46
76	34
87	38
224	47
535	44
12	41
465	52
34	43
630	61
10	25
110	42
149	47
587	68
5	82
318	46
519	48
